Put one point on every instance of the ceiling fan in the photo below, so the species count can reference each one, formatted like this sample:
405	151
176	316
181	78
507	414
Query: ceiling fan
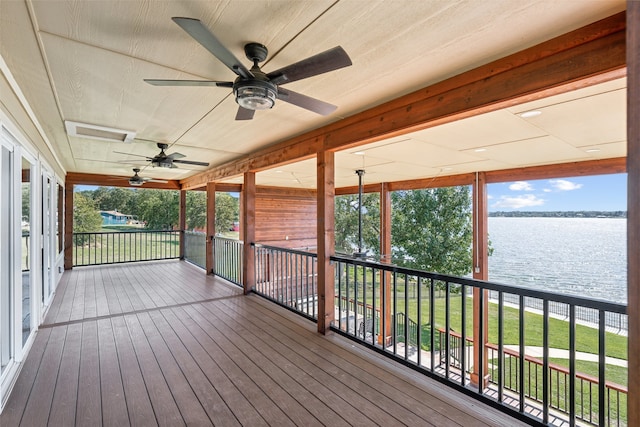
137	180
164	160
254	89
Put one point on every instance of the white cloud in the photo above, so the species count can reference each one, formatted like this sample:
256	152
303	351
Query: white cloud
564	185
547	190
521	186
524	201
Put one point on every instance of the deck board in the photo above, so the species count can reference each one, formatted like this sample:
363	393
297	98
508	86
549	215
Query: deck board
114	405
89	406
161	343
63	408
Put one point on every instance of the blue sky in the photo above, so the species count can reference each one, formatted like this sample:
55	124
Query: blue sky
590	193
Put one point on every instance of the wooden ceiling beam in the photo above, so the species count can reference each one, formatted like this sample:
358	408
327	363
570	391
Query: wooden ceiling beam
76	178
589	55
562	170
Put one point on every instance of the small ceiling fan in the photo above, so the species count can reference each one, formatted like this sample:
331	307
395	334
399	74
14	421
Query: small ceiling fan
137	180
164	160
253	89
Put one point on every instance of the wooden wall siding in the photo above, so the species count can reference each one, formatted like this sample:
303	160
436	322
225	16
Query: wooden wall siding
286	218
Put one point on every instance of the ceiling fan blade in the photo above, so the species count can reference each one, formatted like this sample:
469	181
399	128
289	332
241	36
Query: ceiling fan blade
131	154
162	181
326	61
306	102
174	156
244	114
191	162
160	82
198	31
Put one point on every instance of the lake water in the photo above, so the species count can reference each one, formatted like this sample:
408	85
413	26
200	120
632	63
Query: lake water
579	256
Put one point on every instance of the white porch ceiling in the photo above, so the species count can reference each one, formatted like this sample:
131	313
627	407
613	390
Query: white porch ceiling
85	61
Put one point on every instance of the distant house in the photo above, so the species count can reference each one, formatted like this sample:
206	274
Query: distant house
115	218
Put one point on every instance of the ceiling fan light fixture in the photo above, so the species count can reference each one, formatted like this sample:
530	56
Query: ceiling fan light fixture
163	163
255	94
136	182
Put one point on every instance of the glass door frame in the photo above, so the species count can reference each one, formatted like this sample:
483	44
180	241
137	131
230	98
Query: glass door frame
33	249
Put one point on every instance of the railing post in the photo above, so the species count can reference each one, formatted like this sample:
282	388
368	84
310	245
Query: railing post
384	338
210	262
480	272
249	230
182	220
326	240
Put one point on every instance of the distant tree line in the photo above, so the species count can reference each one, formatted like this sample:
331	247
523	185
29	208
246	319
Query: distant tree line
560	214
158	209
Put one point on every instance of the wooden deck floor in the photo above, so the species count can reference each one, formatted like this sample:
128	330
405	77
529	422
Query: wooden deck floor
162	344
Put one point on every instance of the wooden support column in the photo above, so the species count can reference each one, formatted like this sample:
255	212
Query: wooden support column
210	261
182	220
68	226
385	252
633	210
326	240
480	272
249	229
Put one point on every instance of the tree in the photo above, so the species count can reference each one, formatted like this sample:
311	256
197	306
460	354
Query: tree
158	208
227	211
346	223
86	217
196	210
432	229
114	198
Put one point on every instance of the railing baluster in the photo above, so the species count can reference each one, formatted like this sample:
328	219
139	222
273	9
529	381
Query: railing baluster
463	340
545	361
572	365
432	324
447	328
394	335
501	346
521	351
601	365
407	336
419	314
383	307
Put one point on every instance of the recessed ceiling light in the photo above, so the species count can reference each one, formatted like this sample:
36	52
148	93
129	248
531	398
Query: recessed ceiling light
529	114
359	153
593	150
278	171
480	150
